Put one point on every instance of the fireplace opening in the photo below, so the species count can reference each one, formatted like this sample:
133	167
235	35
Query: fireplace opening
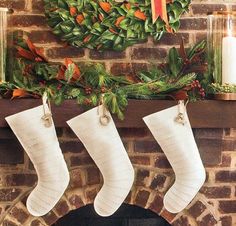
127	215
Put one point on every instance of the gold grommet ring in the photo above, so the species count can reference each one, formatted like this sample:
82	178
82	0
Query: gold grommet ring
47	119
47	115
104	120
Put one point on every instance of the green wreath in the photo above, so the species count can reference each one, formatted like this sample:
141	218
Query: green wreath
106	24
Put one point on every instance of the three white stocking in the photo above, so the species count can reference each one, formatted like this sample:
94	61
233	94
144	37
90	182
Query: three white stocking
104	145
41	144
177	142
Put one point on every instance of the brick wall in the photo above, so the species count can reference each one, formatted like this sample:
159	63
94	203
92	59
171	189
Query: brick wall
216	202
214	205
29	16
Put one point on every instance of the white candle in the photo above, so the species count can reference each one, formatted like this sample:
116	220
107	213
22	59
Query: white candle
229	60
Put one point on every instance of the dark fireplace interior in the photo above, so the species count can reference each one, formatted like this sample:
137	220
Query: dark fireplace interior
127	215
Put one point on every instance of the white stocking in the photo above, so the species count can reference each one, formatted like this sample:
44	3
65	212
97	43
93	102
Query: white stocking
41	145
104	145
178	144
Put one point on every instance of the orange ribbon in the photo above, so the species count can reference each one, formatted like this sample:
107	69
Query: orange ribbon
159	10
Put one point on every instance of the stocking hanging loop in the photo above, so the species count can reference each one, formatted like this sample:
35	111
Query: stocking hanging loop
104	118
47	115
180	118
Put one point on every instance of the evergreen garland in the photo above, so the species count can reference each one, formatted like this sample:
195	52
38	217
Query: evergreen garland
106	24
33	75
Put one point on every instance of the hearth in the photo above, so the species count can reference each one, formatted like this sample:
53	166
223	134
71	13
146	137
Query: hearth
214	205
127	215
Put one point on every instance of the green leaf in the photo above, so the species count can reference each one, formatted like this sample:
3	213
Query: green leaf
120	10
74	93
69	72
62	4
94	99
174	61
124	24
108	35
197	48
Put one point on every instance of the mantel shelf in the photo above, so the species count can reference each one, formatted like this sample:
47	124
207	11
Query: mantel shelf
202	114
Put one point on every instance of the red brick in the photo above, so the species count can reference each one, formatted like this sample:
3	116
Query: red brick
11	152
216	192
141	177
16	5
226	161
8	223
62	208
19	214
9	194
133	132
81	161
28	21
229	145
208	133
93	176
21	180
37	223
167	215
38	6
226	176
193	24
162	162
69	134
226	221
43	37
76	201
210	150
127	68
204	9
148	53
173	39
76	178
157	204
146	146
96	55
182	221
50	218
90	195
201	36
197	209
65	52
140	160
142	198
158	182
208	220
227	206
72	146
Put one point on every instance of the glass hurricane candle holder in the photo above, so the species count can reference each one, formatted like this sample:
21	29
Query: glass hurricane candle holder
3	43
222	50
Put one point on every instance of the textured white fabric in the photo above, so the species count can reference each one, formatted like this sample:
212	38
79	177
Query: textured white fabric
178	144
104	145
42	146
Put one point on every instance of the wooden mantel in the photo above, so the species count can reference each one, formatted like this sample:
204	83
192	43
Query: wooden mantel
202	114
